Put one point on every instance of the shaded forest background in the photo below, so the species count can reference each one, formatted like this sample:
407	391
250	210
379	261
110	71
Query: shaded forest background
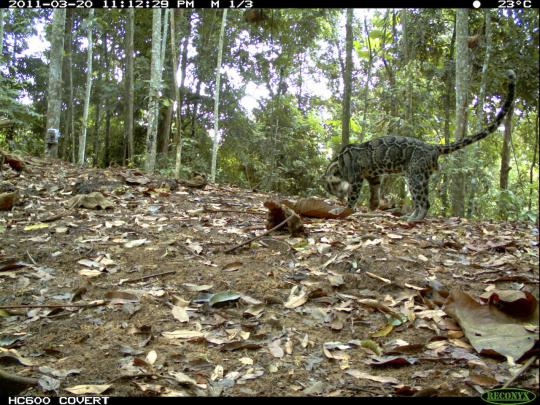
294	84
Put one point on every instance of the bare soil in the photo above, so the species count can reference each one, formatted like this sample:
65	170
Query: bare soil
322	341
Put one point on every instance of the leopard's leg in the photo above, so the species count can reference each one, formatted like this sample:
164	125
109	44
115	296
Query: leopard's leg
374	192
354	193
419	188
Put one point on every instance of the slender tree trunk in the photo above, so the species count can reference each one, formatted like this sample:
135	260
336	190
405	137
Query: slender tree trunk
1	32
505	152
54	97
166	130
449	74
533	163
195	108
97	123
82	137
183	67
216	99
505	163
108	106
407	57
477	162
462	86
347	81
485	66
130	89
155	84
69	133
368	80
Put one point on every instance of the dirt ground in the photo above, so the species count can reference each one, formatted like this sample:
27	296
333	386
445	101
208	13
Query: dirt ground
354	308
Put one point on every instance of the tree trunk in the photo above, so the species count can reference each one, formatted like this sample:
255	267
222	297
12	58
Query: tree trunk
69	124
533	163
449	69
462	87
107	102
97	123
505	153
155	84
505	164
406	58
215	142
179	138
166	123
82	137
54	97
368	80
130	89
347	81
195	108
477	162
1	32
166	130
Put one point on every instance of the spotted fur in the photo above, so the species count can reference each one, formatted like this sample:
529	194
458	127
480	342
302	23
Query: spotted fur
398	154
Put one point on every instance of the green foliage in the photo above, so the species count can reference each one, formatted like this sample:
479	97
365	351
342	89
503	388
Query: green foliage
284	143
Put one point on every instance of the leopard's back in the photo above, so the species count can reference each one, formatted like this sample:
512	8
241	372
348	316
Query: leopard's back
389	154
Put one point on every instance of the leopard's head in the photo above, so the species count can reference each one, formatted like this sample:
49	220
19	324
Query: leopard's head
335	183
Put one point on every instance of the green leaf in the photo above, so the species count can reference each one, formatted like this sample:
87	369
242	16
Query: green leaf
223	296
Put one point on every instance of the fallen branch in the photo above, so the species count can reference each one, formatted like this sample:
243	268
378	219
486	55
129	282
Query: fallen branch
89	305
520	372
235	211
53	217
261	235
17	379
133	280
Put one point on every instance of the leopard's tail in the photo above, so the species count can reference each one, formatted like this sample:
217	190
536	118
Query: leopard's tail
452	147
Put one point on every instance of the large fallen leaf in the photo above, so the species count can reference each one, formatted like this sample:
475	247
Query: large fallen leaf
297	297
180	314
361	375
33	227
135	243
183	334
317	208
120	297
521	304
88	389
489	330
224	296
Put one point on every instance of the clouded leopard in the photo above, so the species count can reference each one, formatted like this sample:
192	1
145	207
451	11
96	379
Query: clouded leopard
398	154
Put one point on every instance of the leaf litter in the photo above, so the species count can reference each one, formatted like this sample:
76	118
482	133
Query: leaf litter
338	303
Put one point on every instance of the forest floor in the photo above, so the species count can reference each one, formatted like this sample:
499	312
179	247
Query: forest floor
148	303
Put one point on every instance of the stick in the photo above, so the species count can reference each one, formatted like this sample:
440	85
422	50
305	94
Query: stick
53	217
17	379
92	304
236	211
521	371
132	280
261	235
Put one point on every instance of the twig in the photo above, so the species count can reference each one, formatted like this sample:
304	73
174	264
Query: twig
31	258
261	235
89	305
53	217
236	211
17	379
521	371
133	280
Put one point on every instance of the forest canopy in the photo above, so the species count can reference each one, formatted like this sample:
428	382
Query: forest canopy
272	94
